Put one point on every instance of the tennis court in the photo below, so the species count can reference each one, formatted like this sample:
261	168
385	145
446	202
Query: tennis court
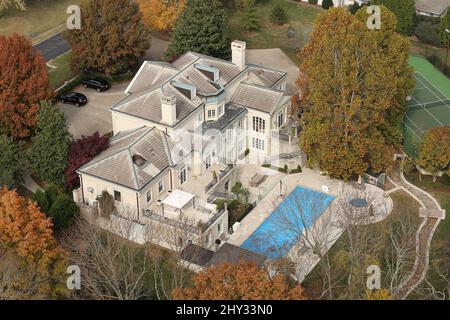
428	108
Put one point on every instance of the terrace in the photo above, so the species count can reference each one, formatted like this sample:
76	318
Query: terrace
185	211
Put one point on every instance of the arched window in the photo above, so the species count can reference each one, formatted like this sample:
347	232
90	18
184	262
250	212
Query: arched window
259	125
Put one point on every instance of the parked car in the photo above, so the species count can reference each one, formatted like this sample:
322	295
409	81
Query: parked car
97	84
75	98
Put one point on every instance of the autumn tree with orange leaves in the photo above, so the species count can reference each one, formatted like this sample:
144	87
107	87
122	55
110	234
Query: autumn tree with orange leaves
32	264
23	84
244	281
161	15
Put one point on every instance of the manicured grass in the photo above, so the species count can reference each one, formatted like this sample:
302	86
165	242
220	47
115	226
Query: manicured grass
301	20
38	18
441	191
62	72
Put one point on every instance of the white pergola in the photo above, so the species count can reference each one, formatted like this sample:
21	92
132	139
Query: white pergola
178	199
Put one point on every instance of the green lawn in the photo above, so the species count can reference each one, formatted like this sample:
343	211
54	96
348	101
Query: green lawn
38	18
441	191
301	20
62	72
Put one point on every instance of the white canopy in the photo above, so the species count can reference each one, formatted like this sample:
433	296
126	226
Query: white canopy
178	199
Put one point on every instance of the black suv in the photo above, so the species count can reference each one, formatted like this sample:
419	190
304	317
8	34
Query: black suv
75	98
97	84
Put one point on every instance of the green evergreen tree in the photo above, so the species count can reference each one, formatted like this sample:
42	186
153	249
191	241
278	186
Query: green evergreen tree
250	20
327	4
48	154
278	15
444	34
202	28
12	162
40	197
112	38
404	10
63	212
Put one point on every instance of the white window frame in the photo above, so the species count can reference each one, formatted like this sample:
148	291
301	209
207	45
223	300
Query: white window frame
211	113
281	114
161	186
259	125
183	172
258	144
151	197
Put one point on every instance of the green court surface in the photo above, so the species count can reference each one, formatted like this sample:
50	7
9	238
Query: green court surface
429	104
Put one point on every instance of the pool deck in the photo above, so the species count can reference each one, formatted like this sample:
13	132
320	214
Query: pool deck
308	178
328	227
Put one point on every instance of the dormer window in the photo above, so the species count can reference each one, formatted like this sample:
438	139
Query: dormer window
188	90
210	72
139	161
211	114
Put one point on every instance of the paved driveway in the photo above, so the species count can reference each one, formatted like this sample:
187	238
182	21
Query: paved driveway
95	115
276	59
53	47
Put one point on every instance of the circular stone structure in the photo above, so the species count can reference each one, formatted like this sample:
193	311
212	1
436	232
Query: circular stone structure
359	203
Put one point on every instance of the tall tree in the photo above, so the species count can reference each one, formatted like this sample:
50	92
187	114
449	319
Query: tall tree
353	94
81	152
434	153
404	10
203	28
112	38
12	162
7	4
244	281
26	235
444	34
23	84
327	4
250	20
48	155
161	15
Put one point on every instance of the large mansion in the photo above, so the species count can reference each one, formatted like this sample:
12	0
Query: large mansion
179	135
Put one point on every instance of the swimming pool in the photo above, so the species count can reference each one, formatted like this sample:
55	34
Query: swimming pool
282	229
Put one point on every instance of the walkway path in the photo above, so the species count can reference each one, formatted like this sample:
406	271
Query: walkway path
432	213
30	184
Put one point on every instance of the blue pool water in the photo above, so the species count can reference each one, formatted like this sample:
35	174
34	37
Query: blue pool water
282	229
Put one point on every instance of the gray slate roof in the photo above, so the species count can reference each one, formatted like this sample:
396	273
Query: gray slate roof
232	113
436	7
232	254
154	79
258	97
116	163
196	255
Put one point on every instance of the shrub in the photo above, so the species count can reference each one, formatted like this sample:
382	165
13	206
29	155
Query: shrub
41	199
428	33
52	192
278	15
297	170
107	204
220	203
327	4
63	212
354	8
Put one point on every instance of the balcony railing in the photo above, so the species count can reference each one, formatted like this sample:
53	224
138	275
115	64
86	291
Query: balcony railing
225	172
214	219
172	222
